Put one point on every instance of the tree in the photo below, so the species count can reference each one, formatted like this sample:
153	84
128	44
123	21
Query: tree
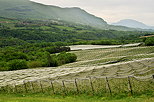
149	41
17	64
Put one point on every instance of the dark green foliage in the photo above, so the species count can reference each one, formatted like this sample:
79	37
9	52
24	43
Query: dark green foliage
106	42
10	55
3	66
20	32
34	64
10	59
149	41
60	59
52	61
11	42
35	41
25	9
33	56
64	58
17	64
57	49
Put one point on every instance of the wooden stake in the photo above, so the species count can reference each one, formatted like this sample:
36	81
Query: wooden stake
8	89
108	85
130	86
64	88
25	87
77	89
52	86
15	88
32	86
41	86
91	84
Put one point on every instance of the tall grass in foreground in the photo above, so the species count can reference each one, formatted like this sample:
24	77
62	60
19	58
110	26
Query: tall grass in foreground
99	86
73	98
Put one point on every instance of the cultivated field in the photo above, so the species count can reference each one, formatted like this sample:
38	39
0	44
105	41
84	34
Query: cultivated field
95	69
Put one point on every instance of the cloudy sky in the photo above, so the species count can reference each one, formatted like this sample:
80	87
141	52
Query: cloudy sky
112	10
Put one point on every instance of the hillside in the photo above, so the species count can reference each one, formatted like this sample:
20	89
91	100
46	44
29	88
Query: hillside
19	32
25	9
133	24
31	10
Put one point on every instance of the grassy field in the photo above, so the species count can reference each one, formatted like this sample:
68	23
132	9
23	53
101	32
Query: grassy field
98	64
81	98
100	56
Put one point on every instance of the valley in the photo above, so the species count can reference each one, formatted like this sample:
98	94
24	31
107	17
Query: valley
53	53
61	58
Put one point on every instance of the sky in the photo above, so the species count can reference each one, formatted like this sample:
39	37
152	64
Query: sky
112	10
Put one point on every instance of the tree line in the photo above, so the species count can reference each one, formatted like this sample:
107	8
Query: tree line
15	58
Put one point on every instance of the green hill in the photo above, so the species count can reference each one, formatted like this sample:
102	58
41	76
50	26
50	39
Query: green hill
19	32
25	9
31	10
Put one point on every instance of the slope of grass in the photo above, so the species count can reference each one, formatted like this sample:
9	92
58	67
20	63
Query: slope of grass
113	52
34	31
81	98
96	57
25	9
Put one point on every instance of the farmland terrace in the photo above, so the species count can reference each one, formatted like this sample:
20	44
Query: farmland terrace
101	62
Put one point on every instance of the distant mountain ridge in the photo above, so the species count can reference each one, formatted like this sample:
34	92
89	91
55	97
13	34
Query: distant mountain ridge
32	10
133	24
26	9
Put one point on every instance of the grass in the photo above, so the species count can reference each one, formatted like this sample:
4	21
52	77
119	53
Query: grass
78	98
64	27
113	52
101	56
100	88
141	69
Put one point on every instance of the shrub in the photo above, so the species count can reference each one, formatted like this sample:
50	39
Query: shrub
15	55
3	66
57	49
70	57
105	42
64	58
149	41
60	59
34	64
53	62
3	69
17	64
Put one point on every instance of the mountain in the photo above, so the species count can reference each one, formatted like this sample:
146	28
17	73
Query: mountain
26	9
133	24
